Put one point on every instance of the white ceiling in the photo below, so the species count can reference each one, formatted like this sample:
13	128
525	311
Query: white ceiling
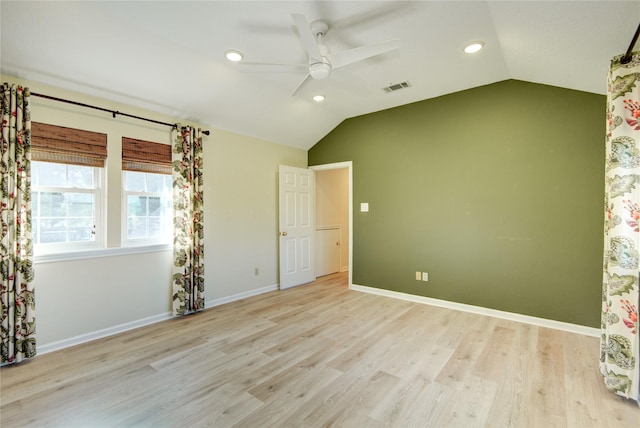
168	56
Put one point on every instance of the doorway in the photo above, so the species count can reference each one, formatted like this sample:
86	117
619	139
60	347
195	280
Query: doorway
334	211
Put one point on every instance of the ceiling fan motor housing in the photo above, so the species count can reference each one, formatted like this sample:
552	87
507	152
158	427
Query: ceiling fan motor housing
320	70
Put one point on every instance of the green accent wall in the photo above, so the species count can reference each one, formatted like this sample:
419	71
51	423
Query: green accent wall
496	192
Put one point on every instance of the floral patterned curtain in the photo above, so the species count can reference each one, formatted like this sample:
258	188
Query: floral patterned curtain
188	222
16	270
619	342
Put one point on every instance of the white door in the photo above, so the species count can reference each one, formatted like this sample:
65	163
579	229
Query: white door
297	226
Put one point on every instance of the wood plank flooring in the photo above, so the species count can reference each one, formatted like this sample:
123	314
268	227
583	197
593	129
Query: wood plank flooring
319	355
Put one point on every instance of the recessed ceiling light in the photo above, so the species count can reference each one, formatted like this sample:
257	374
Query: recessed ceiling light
474	47
233	55
318	98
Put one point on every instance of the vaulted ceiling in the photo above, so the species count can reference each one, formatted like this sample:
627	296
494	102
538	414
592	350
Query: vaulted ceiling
168	56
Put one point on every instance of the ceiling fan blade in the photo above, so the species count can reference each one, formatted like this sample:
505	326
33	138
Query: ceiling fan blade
272	67
340	59
307	38
302	84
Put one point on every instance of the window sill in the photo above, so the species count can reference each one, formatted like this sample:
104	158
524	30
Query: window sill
102	252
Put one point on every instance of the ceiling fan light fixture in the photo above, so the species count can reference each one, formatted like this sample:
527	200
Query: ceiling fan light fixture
319	98
233	55
320	70
474	47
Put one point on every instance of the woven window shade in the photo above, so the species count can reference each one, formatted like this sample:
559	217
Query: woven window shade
52	143
145	156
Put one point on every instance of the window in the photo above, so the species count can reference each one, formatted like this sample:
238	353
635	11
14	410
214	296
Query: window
149	207
147	192
66	174
65	200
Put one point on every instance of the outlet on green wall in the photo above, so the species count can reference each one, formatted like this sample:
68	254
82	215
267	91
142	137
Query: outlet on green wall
498	190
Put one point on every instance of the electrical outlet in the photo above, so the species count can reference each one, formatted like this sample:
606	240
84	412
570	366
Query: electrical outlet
425	276
418	276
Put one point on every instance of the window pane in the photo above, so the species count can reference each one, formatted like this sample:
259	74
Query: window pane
136	227
80	205
155	209
35	176
154	223
35	230
52	174
35	204
136	206
53	230
154	226
134	181
80	176
80	230
63	217
66	230
52	204
156	183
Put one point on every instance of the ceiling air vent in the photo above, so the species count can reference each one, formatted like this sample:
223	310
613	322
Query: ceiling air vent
397	86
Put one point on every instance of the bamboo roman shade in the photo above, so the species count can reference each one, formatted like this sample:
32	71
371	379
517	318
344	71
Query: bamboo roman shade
145	156
52	143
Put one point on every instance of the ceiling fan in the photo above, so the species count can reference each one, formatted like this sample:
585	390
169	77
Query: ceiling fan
321	60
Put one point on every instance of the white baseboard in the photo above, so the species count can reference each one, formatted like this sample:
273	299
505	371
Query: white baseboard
511	316
88	337
541	322
239	296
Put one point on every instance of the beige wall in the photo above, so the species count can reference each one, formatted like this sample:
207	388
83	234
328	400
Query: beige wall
332	206
80	297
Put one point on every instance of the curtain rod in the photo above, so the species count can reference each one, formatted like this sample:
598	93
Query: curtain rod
627	56
113	112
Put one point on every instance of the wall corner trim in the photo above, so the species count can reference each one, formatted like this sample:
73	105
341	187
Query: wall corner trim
511	316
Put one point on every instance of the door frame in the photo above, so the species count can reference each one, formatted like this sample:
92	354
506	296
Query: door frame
349	166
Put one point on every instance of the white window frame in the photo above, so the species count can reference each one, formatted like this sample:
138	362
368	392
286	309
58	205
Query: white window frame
166	239
43	249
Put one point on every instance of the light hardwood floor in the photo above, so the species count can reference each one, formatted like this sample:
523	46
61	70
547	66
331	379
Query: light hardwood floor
319	355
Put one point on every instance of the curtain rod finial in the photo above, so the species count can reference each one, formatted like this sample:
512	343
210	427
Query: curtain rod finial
626	59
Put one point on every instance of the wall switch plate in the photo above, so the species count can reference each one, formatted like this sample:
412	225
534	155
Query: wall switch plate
418	276
425	276
364	207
